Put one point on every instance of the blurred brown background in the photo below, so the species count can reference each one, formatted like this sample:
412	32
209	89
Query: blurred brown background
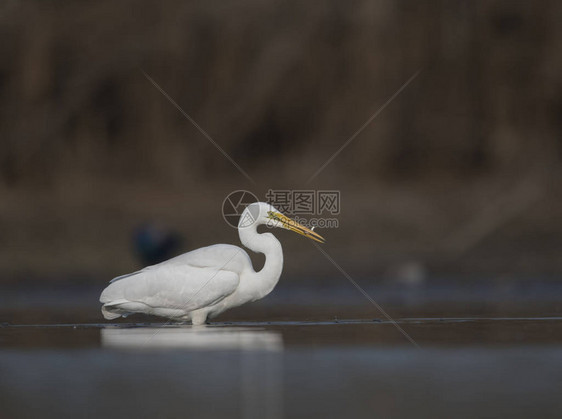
459	174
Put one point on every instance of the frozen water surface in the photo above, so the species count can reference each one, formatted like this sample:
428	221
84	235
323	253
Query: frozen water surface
335	357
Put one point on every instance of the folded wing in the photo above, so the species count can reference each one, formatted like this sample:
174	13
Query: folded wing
175	287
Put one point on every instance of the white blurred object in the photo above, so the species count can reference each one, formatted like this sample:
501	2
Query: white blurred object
410	272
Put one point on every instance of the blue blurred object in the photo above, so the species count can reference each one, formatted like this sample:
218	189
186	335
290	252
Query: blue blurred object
154	243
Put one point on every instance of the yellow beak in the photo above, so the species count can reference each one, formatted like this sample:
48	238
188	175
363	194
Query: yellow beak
292	225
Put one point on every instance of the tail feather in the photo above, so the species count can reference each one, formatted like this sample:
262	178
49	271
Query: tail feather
109	314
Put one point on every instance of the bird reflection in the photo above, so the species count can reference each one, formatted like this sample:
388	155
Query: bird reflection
258	354
192	338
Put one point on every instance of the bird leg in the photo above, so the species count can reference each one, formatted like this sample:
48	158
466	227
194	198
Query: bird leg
198	318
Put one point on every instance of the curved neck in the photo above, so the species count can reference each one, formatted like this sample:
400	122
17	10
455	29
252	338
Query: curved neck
266	243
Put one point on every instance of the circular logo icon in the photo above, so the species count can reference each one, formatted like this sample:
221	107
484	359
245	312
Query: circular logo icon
234	205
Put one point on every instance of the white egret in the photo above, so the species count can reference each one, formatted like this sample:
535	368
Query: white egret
205	282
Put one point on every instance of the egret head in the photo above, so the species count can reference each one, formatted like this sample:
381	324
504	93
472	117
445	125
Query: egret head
259	213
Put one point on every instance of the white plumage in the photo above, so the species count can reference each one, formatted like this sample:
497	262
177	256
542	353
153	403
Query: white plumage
205	282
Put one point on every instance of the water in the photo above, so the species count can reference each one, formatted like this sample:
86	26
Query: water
283	358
